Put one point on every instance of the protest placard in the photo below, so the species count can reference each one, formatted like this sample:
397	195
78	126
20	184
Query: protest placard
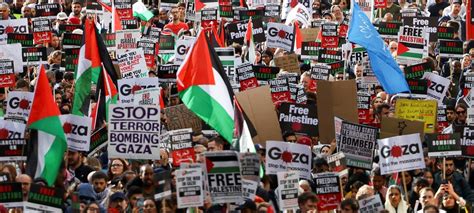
429	25
329	35
166	44
467	140
11	195
7	74
98	141
48	10
416	71
127	39
418	86
280	36
443	145
123	9
412	45
26	40
310	50
298	94
363	107
12	142
132	63
150	50
152	33
12	26
288	189
400	153
418	110
237	31
319	71
71	40
249	189
70	59
182	146
280	90
150	96
371	204
41	30
258	106
265	73
167	73
226	11
180	117
77	130
395	126
189	188
302	119
18	106
162	183
309	34
182	46
442	118
328	106
246	77
288	63
62	28
337	162
223	176
44	198
283	156
246	14
329	55
10	52
451	48
129	24
271	13
357	142
445	32
134	132
33	55
250	166
128	87
227	57
110	41
328	190
389	30
438	86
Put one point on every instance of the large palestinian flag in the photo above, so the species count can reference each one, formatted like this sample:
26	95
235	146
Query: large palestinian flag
205	89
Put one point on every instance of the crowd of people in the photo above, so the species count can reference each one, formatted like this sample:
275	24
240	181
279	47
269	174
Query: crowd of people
105	184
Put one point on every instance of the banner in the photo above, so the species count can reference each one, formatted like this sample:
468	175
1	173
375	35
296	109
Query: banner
328	190
77	130
280	36
282	156
357	142
26	40
128	87
451	48
412	45
443	145
127	39
18	106
299	118
288	189
246	77
236	31
180	117
134	132
182	150
400	153
12	26
438	86
132	63
41	30
223	177
189	188
418	110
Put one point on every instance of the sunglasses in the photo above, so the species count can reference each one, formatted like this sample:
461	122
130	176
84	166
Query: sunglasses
460	112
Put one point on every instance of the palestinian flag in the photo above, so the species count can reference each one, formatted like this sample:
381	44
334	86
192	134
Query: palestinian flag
89	63
204	88
106	91
250	43
298	38
47	134
410	50
224	162
140	11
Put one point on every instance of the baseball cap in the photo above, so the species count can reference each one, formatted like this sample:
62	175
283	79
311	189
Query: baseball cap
61	16
457	2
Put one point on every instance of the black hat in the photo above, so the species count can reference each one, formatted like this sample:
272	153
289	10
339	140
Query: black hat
117	195
457	2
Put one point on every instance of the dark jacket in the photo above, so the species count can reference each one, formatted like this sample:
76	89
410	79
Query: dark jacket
460	185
